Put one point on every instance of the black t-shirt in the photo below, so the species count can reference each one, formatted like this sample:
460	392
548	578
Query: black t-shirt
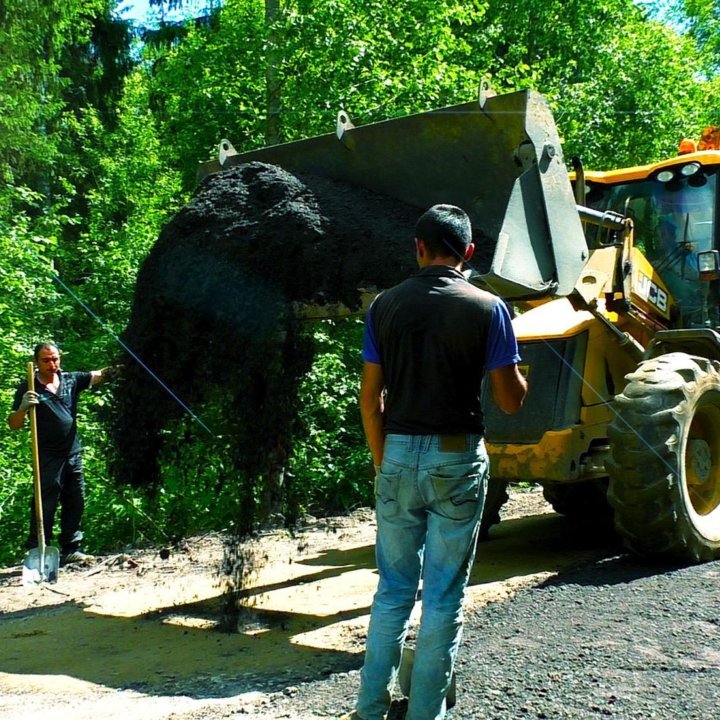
433	333
57	413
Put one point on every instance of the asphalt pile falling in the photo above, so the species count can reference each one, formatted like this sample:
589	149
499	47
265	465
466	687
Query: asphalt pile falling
213	317
213	308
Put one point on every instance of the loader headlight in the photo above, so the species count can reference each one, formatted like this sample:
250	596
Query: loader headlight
689	169
709	265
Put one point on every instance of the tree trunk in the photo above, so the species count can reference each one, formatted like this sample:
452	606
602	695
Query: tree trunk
272	75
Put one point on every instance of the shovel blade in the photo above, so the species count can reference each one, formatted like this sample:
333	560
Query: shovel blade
41	567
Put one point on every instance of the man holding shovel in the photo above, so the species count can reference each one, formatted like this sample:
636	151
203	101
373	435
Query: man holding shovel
54	398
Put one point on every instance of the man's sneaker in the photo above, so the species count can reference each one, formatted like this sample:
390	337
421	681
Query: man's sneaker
77	557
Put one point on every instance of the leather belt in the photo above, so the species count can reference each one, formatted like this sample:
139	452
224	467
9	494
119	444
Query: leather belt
453	443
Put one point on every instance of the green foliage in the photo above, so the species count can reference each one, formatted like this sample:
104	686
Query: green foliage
385	62
626	120
200	488
196	495
96	155
209	87
619	98
388	60
15	493
702	18
134	193
33	34
330	466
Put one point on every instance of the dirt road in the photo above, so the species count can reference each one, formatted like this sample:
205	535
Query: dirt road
137	638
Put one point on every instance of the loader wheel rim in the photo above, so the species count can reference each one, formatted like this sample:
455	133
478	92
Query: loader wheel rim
702	458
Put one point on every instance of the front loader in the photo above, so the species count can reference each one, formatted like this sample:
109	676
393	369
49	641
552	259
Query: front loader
615	287
622	419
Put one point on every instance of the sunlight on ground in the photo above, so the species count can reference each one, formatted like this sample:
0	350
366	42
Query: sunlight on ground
157	635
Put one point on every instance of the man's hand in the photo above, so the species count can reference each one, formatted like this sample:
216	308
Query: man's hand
111	373
29	399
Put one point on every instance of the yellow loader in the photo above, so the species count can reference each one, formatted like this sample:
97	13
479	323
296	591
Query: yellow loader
624	400
614	277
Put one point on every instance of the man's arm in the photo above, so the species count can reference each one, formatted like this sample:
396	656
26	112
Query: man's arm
16	419
371	409
107	374
509	388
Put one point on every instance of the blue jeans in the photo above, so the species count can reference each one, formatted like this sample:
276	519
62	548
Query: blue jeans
429	500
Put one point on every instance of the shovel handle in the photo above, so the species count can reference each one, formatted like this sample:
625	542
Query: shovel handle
36	463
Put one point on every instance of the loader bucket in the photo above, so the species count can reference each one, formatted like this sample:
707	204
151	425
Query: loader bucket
500	159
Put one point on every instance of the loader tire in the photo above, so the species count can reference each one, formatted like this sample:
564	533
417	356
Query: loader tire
585	501
664	462
496	497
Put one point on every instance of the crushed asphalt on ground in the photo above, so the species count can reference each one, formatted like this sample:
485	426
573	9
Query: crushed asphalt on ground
559	624
615	639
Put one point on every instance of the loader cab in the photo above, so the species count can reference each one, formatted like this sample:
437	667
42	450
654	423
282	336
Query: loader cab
674	208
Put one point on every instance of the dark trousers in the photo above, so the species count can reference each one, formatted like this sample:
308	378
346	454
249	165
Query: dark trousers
61	481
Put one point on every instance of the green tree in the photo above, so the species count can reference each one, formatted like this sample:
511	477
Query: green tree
58	58
134	193
702	19
619	98
384	62
32	37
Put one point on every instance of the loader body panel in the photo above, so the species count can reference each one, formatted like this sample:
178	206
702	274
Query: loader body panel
574	369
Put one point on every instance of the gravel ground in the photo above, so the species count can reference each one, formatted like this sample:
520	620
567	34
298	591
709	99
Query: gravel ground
616	639
612	637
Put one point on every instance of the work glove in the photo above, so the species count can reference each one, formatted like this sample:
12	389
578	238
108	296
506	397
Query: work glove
112	372
29	399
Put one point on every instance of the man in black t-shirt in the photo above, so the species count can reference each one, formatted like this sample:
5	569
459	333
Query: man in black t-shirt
428	343
61	477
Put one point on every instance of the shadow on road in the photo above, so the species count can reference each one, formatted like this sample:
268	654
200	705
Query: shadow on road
616	570
304	627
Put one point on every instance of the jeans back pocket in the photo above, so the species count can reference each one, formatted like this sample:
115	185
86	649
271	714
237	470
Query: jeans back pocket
457	498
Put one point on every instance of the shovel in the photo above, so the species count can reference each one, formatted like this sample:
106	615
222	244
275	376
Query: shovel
41	563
